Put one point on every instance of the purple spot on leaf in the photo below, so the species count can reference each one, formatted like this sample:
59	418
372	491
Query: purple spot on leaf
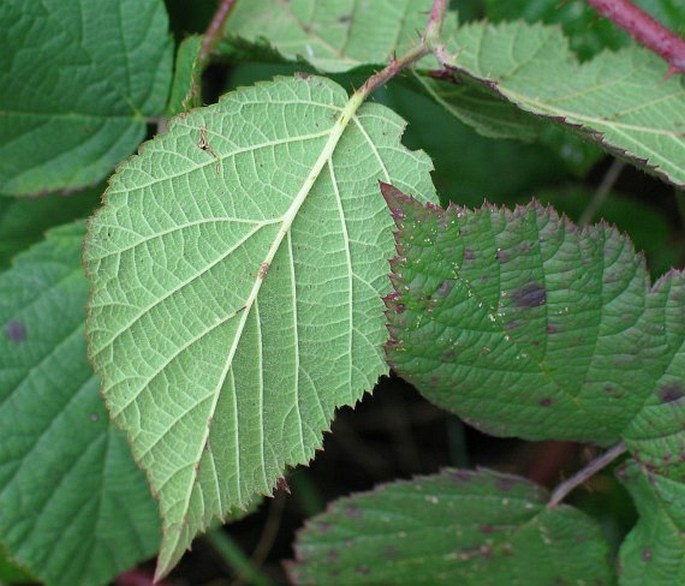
546	402
363	570
399	308
469	254
15	330
530	295
646	555
671	392
445	288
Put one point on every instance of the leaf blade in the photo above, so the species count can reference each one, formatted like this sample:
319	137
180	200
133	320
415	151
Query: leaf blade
84	108
249	222
65	472
457	526
628	109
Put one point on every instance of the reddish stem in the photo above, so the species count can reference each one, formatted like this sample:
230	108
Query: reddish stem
214	29
645	30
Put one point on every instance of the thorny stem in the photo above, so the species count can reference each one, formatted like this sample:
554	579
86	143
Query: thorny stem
603	190
214	29
561	491
645	30
429	39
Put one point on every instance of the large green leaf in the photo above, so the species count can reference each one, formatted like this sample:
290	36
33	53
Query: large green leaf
456	527
73	506
335	35
236	269
78	78
620	100
527	326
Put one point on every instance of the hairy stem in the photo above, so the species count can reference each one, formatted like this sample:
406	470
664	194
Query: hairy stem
645	30
561	491
213	32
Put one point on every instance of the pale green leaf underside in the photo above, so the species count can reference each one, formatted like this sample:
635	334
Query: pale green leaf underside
457	527
77	81
618	99
336	35
74	508
221	371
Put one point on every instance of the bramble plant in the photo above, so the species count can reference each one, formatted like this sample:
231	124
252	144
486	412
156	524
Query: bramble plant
237	291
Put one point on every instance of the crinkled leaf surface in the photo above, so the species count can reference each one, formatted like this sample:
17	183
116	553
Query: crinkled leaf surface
333	36
620	100
73	506
77	80
654	551
456	527
236	269
527	326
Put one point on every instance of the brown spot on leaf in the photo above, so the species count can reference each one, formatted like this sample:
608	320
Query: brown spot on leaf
530	295
501	256
546	402
469	254
671	392
552	329
15	330
389	552
363	570
505	484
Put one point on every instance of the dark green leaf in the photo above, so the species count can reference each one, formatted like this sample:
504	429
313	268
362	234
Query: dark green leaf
78	78
73	506
526	326
457	527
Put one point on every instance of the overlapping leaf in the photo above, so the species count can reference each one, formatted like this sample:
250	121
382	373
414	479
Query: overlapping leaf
527	326
236	269
620	100
77	80
73	506
456	527
333	36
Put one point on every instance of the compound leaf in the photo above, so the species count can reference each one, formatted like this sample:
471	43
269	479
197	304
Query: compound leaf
620	100
456	527
236	269
74	509
95	71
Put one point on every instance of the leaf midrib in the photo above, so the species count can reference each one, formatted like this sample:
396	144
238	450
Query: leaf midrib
335	134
